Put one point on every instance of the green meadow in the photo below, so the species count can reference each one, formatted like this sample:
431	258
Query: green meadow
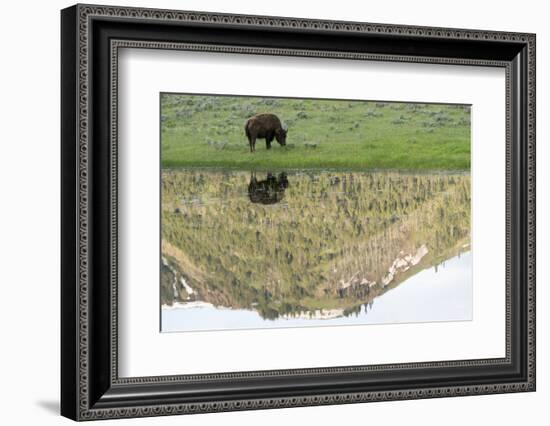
208	131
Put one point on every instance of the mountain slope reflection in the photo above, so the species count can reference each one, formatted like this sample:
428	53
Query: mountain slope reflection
301	245
429	296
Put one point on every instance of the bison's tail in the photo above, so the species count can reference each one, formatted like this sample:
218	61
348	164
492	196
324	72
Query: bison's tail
246	129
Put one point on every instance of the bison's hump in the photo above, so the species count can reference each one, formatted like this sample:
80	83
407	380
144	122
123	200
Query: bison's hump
264	117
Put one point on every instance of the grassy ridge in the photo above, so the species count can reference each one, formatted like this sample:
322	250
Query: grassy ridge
208	131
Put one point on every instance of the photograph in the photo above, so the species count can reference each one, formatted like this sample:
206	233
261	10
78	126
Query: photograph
303	212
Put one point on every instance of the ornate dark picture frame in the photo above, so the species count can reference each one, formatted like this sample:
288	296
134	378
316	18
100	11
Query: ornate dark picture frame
90	385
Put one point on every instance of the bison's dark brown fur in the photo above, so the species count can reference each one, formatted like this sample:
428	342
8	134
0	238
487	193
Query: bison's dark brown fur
268	191
265	126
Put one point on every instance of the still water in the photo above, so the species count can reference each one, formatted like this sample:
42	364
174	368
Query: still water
245	249
429	296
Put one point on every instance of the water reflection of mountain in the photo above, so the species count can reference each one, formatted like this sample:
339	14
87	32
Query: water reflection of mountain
335	242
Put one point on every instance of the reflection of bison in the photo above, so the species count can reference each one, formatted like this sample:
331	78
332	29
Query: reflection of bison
268	191
265	126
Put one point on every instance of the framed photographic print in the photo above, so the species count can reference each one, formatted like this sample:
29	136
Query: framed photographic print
263	212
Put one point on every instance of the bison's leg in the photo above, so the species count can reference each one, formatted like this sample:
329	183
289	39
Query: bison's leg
268	140
252	144
250	141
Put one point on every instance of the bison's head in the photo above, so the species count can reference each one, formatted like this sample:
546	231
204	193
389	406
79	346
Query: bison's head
280	134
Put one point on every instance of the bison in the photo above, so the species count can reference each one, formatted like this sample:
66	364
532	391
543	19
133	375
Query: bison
265	126
268	191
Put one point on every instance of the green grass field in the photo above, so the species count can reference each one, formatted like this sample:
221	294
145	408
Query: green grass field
208	131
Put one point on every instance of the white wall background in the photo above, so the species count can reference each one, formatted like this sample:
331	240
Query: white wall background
29	225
